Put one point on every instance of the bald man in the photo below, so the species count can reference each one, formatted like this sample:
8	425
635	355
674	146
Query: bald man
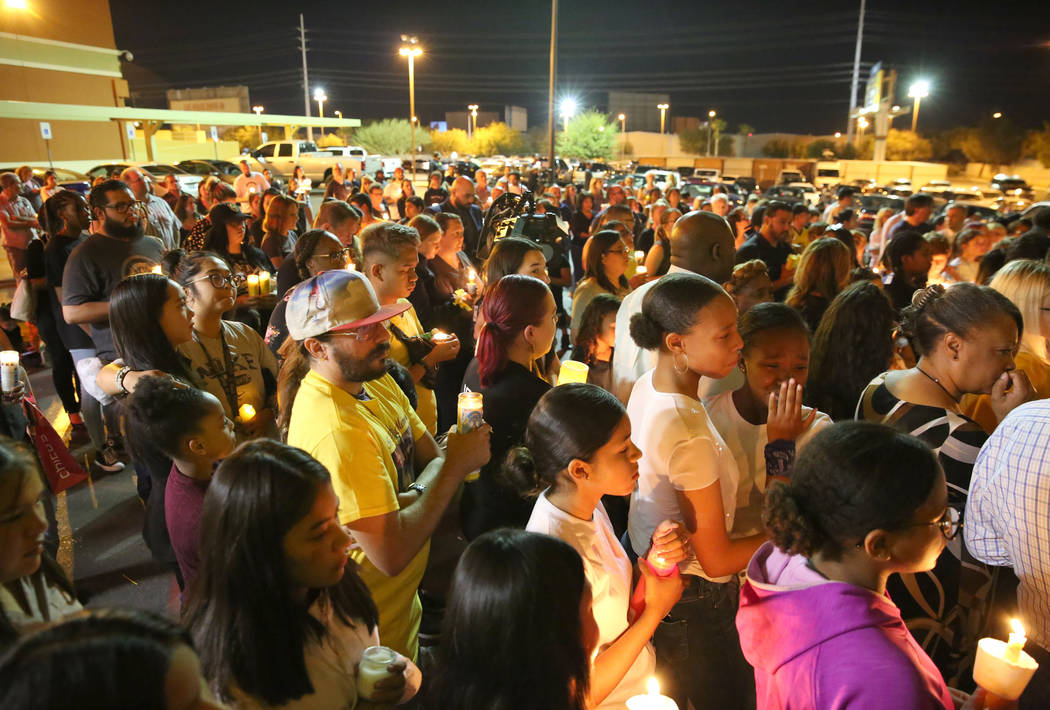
701	243
158	219
461	202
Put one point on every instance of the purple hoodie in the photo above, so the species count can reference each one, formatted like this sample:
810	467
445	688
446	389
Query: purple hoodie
821	645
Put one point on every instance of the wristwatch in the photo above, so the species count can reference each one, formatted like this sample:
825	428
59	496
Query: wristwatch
418	487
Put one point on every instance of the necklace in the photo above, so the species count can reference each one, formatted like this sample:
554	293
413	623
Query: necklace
938	383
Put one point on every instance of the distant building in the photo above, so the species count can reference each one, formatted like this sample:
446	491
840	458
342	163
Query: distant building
517	117
232	99
459	119
640	110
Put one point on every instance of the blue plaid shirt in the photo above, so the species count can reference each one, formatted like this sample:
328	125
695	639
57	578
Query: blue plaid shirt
1008	511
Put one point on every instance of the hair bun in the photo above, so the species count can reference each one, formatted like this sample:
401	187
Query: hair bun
924	297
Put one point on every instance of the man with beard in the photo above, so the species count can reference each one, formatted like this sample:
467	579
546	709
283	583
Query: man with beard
461	202
348	413
158	218
772	245
99	262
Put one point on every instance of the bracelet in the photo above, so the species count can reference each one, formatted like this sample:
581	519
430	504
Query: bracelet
121	374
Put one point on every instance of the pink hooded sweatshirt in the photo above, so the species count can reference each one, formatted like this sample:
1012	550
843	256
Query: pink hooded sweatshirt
822	645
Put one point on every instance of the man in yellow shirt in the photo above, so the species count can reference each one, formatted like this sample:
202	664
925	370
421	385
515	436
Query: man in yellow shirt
390	259
350	415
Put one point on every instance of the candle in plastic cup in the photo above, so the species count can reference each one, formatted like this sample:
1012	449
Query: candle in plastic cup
651	700
438	335
373	668
264	282
572	371
641	269
471	416
156	270
9	376
639	256
999	676
656	563
253	284
246	413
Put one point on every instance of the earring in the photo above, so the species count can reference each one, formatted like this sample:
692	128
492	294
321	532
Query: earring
681	370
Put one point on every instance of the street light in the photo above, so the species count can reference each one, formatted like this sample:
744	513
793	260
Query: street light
258	110
623	122
411	49
568	109
710	117
862	123
663	112
918	91
339	114
320	98
472	124
16	4
997	114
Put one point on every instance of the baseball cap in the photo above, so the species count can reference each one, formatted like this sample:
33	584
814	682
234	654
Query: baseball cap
226	213
335	301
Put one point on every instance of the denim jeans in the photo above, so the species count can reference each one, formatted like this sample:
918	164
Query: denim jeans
698	652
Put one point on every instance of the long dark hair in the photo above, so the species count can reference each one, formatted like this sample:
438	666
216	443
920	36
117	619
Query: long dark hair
591	326
569	422
513	304
249	628
135	307
100	661
852	478
184	268
597	246
506	257
853	344
513	632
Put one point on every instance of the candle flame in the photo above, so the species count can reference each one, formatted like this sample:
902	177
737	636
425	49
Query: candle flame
473	275
247	412
156	269
653	685
1015	624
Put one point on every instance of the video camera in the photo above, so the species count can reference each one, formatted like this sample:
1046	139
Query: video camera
515	216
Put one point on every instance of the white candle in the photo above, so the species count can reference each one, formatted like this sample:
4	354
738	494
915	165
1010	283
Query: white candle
156	269
438	336
1004	669
351	266
9	377
639	256
373	668
246	413
652	700
572	371
471	416
473	281
264	282
253	284
641	269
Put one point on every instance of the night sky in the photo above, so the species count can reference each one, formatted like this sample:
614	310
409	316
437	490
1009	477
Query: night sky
778	66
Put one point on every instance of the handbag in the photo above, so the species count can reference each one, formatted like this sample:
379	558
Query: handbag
60	468
23	304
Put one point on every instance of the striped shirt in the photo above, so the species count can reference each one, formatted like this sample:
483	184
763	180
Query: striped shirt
1008	513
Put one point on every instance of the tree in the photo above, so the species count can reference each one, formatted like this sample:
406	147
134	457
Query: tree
452	140
386	136
996	141
816	149
497	139
693	140
745	129
590	136
247	137
776	148
330	139
907	145
1037	144
799	148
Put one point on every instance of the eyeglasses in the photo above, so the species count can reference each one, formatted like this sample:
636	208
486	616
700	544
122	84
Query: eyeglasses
339	255
365	332
124	207
950	523
625	251
220	280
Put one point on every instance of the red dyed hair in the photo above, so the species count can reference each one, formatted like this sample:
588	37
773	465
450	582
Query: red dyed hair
512	305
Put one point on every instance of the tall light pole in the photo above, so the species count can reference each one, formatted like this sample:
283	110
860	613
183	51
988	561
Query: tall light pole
623	132
862	123
410	48
918	91
568	110
663	113
258	112
320	97
710	117
472	122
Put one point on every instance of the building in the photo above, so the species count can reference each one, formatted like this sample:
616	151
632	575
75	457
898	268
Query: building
639	110
233	99
517	117
461	119
57	51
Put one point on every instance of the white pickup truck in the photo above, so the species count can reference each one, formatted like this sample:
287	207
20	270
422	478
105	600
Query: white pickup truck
284	156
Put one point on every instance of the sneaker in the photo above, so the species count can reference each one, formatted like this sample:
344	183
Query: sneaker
78	435
108	461
99	468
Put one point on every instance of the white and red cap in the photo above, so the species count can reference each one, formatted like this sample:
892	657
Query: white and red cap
335	301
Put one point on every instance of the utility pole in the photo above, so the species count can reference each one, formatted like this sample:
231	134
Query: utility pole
550	89
856	75
306	79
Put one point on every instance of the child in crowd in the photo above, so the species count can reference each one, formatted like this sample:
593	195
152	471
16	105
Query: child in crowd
190	426
596	338
764	422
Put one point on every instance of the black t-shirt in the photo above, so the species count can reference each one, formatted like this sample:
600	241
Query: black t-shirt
900	291
287	276
56	253
435	196
35	270
774	255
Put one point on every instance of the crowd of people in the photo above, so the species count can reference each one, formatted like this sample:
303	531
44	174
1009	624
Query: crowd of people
756	496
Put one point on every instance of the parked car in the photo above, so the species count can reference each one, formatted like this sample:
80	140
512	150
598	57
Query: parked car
284	156
745	184
661	178
69	179
938	187
704	189
155	171
809	191
222	169
786	177
870	206
710	174
1013	185
790	195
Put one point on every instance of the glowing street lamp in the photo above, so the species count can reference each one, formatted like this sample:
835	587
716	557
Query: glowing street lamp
258	110
623	122
472	124
997	114
410	48
710	117
320	98
16	4
862	123
568	110
663	113
918	91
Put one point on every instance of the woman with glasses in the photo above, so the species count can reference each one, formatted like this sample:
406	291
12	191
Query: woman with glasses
605	259
966	338
865	504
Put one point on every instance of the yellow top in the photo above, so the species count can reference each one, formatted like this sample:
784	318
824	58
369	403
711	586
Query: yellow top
367	443
409	324
979	406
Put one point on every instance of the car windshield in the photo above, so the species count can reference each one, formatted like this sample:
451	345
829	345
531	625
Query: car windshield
1012	184
874	203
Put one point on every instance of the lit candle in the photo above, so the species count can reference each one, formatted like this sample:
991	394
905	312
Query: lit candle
246	413
253	284
652	700
1004	669
473	281
572	371
439	336
639	256
471	416
9	376
640	270
656	563
350	266
156	269
264	282
373	668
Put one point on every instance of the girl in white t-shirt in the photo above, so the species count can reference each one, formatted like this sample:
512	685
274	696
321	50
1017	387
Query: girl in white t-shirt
763	420
688	474
577	449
